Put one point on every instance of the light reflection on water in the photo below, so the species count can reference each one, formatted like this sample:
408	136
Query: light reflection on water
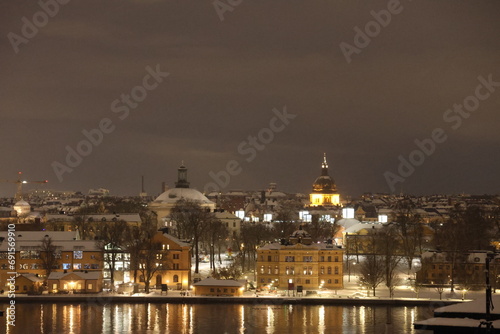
211	318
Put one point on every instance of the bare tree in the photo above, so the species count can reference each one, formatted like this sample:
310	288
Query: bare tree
410	229
111	240
214	235
191	220
372	269
286	218
48	255
388	247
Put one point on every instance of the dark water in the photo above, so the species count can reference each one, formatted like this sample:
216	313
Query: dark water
96	318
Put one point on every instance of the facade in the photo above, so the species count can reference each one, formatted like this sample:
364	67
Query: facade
324	191
164	203
215	287
72	255
76	282
177	261
466	270
28	283
300	262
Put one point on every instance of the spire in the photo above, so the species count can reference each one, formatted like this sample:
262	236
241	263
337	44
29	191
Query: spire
324	166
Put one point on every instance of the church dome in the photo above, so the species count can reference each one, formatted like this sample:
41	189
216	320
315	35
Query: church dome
324	184
175	194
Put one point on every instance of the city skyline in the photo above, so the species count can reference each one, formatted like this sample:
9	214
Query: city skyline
258	91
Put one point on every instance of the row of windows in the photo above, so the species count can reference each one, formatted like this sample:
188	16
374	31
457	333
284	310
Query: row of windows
291	258
291	270
299	281
66	266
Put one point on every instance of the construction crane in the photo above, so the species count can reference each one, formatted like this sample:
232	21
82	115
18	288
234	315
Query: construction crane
19	182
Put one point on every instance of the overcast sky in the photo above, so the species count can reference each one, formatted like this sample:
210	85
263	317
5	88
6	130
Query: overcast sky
226	77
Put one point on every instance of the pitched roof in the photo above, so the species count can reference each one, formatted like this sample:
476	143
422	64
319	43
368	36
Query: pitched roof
218	282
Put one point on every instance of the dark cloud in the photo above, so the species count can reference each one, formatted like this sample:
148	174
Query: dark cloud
226	78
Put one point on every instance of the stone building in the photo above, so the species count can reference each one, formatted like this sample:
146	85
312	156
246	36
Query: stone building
298	262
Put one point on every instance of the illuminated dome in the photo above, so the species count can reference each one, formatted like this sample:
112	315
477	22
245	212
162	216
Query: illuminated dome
324	190
22	208
324	184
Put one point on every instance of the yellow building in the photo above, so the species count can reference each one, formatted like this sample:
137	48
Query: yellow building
324	192
76	282
25	258
218	287
300	262
177	260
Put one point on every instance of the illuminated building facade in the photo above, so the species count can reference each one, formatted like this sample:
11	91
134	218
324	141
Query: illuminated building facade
324	192
300	262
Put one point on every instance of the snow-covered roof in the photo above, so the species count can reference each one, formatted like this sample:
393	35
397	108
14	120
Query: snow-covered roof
475	306
39	235
356	228
218	282
83	275
64	245
175	194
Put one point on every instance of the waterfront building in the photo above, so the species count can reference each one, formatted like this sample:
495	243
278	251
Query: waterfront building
176	262
216	287
75	282
300	262
70	254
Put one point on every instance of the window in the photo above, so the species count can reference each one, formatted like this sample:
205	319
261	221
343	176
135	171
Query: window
225	290
310	270
322	270
308	281
262	280
336	281
90	286
232	290
176	256
269	280
336	270
94	266
261	269
329	281
276	258
269	270
336	259
176	278
289	258
92	257
176	266
307	259
329	270
66	266
77	255
86	266
54	286
329	259
77	266
212	290
288	270
276	270
440	267
322	258
67	256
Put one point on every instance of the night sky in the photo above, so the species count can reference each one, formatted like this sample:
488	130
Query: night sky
226	77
